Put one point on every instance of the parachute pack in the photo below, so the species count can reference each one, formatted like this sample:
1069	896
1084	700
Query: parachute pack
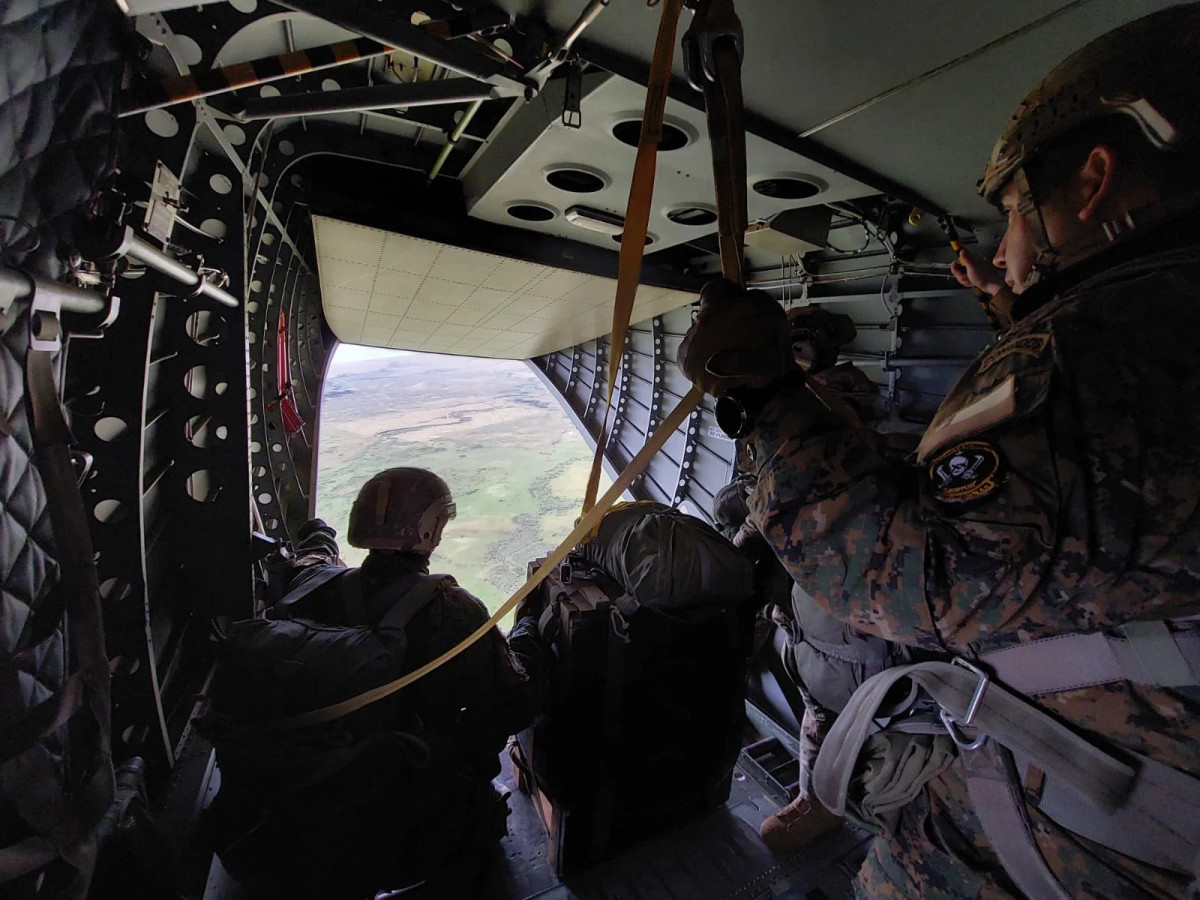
642	726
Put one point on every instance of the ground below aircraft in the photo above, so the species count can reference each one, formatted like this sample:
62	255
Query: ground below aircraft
265	180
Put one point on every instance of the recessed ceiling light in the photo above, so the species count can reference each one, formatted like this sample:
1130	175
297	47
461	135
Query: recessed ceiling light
595	220
694	216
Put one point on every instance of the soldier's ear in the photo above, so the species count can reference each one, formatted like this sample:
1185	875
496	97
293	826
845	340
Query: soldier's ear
1094	182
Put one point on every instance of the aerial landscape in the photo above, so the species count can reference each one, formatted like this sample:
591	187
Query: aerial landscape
515	463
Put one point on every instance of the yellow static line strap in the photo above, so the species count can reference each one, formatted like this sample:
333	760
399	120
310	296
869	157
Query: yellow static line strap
637	220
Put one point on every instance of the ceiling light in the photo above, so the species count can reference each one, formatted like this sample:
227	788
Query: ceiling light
595	220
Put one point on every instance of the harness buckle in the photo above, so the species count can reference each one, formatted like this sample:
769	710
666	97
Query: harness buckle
952	722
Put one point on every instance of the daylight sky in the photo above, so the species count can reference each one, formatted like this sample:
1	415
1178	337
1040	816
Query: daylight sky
352	353
516	464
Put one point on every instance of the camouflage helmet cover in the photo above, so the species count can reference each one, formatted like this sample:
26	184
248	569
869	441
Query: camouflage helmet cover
401	509
1145	69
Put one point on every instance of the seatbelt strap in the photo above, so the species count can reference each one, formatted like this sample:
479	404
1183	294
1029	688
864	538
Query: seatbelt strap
1147	653
637	221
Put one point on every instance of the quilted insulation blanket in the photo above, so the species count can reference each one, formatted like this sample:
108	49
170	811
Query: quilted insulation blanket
59	68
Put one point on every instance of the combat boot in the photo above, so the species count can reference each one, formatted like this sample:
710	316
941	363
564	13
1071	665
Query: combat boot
797	825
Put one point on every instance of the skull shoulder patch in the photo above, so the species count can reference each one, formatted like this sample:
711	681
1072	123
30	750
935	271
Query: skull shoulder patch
964	472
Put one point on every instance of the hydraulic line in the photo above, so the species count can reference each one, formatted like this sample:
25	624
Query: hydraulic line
457	133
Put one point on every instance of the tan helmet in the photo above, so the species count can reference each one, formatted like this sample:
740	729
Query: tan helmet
1145	70
401	509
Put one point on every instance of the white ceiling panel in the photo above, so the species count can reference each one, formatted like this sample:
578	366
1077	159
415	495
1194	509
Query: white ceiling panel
516	168
423	295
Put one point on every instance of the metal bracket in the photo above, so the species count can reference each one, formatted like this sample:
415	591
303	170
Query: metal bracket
536	77
951	722
163	205
45	322
572	117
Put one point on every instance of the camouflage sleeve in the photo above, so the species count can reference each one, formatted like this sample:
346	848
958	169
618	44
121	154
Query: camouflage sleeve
1054	490
841	519
315	548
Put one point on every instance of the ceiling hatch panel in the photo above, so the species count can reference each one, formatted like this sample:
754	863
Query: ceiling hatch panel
385	289
537	162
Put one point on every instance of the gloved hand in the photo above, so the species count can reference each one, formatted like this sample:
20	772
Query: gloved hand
739	339
532	650
818	335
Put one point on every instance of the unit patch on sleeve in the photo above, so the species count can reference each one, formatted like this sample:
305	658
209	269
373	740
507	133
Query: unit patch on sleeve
964	472
1026	345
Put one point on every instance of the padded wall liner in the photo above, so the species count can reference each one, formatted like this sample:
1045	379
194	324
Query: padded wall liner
59	70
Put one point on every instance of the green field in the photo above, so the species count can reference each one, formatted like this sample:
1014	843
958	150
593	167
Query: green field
515	464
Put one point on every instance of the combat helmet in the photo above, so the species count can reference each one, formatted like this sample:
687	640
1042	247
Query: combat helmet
401	509
1144	70
1140	70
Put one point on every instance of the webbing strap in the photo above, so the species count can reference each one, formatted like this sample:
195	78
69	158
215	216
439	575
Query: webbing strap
415	599
999	802
296	594
637	221
713	32
1158	804
1148	654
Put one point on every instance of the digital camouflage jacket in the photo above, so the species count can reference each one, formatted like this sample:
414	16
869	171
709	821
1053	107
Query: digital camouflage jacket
1057	490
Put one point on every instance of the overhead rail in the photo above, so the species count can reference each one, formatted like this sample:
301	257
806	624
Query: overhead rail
380	96
223	79
376	21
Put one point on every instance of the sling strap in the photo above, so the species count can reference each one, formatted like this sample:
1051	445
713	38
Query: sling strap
285	607
402	598
416	597
1140	808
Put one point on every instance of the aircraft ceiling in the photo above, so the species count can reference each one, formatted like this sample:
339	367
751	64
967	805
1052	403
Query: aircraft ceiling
808	62
857	98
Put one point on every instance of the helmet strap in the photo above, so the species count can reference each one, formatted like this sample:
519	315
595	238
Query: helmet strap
1045	264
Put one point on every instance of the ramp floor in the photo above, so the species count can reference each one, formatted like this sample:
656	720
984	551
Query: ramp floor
719	857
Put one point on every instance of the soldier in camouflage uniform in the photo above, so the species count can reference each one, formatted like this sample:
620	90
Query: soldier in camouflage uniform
1057	491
